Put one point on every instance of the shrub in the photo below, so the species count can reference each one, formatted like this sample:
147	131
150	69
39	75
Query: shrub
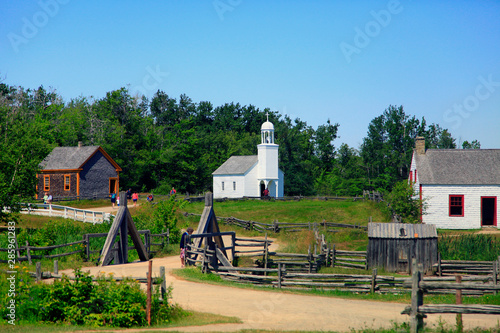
82	302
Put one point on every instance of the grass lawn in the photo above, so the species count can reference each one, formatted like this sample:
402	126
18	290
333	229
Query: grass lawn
191	318
339	211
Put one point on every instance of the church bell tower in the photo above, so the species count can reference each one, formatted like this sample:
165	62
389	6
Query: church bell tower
268	158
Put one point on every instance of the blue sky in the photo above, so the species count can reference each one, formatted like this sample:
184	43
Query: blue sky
346	61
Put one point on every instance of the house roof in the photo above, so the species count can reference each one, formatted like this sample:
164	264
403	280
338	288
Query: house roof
236	165
72	158
459	166
401	230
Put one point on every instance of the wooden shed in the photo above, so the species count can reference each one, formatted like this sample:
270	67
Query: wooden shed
392	246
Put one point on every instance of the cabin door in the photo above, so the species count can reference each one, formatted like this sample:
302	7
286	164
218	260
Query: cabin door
488	211
113	182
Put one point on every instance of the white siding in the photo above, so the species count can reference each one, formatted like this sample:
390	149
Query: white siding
436	198
228	191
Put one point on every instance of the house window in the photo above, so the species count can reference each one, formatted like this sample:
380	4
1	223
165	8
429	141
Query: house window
456	205
234	186
223	186
67	179
46	183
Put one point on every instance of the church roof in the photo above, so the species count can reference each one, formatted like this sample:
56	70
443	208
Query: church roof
236	165
459	166
267	126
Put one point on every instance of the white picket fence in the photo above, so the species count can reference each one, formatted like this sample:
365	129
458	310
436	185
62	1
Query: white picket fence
76	214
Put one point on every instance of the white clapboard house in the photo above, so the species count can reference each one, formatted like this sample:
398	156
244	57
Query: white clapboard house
460	187
249	176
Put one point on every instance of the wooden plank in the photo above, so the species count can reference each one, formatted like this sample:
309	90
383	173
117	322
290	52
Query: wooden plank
113	232
136	238
222	258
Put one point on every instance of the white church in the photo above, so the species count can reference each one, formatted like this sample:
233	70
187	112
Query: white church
249	176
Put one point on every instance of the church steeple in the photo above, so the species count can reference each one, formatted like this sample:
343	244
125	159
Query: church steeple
267	132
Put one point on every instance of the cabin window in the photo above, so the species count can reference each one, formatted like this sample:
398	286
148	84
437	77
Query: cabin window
234	186
223	186
67	182
456	205
46	183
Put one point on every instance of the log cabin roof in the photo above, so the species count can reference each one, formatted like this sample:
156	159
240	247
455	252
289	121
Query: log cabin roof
72	158
458	166
236	165
401	230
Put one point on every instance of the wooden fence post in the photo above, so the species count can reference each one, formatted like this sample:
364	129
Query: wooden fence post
460	324
333	255
416	319
374	281
38	271
163	287
56	267
265	255
28	254
148	300
233	247
440	272
86	238
279	275
495	273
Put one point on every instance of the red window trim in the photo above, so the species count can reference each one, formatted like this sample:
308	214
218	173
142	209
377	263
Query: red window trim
411	177
454	196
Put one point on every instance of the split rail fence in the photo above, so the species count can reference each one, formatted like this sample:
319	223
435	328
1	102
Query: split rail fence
417	310
276	226
86	246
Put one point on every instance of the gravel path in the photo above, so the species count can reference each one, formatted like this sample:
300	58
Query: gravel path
278	311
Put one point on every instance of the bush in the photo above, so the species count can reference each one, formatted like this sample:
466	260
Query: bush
82	302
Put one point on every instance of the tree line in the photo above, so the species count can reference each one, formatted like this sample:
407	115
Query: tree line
165	141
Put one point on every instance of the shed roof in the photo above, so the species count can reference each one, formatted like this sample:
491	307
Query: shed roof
459	166
71	158
236	165
393	230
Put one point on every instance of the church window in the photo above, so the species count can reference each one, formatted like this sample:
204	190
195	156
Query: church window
234	186
223	186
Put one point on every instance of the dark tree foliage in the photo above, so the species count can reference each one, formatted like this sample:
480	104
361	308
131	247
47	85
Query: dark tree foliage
169	142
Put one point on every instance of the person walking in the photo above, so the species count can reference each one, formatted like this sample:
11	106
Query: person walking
135	197
184	243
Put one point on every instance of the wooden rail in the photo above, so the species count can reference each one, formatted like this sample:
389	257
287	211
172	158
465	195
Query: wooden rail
278	226
417	310
86	247
87	216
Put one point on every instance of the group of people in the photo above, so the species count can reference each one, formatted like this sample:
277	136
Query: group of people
134	196
47	198
115	199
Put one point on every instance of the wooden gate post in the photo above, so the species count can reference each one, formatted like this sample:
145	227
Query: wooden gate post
28	254
163	283
374	281
265	255
38	271
279	275
495	273
460	324
417	299
333	255
56	267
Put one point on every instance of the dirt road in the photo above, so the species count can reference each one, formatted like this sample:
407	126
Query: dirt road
278	311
